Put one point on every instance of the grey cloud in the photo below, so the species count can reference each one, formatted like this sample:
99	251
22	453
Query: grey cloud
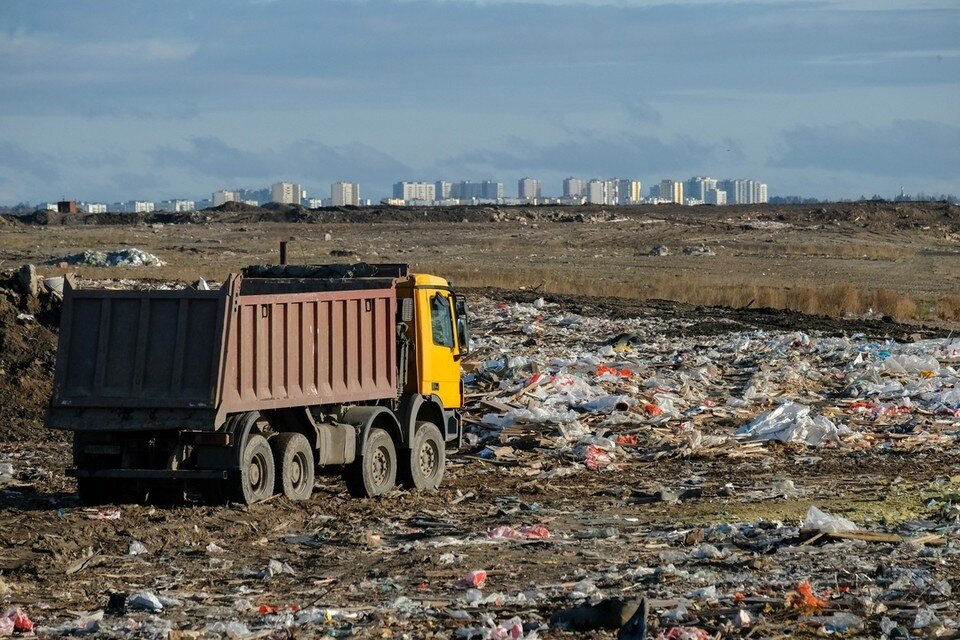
599	155
641	112
914	148
28	164
307	160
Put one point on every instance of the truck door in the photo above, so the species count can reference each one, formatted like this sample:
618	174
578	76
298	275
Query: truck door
437	349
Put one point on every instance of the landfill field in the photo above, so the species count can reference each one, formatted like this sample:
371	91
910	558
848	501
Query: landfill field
729	473
897	259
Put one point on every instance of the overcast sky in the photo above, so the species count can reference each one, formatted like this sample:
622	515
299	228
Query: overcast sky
108	100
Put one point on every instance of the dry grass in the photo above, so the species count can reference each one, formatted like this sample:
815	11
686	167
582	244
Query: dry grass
845	251
832	300
948	308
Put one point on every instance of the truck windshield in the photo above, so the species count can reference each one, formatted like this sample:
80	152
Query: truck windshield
442	320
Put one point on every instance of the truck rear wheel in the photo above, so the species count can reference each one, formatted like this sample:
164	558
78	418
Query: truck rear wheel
294	463
256	477
375	471
423	468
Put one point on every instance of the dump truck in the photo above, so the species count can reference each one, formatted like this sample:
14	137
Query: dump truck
249	390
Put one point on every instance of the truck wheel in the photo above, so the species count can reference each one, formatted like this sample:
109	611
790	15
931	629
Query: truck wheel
256	477
424	466
294	464
375	471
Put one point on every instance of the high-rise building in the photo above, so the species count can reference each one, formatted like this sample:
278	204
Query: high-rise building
419	191
443	189
93	207
491	190
286	193
671	190
528	189
760	193
597	192
629	192
715	196
345	193
177	206
223	196
697	187
574	187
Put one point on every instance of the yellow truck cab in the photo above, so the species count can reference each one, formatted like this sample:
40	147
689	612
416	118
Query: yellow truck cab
439	335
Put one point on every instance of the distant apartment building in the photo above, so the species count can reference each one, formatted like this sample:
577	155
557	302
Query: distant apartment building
629	192
671	190
93	207
696	188
760	193
574	187
415	191
598	192
743	191
715	196
134	206
286	193
177	206
345	193
223	196
443	189
528	189
486	190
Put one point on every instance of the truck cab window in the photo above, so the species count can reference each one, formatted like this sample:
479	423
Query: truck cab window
441	320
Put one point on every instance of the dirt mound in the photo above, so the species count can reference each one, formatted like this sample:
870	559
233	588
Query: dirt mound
28	345
235	207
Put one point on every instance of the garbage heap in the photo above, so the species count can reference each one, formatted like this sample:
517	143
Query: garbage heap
678	475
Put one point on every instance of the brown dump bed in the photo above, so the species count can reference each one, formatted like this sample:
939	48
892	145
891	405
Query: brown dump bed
254	344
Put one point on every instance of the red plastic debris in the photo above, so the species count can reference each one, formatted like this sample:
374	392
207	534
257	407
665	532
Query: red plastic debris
476	579
652	409
620	373
804	598
626	438
597	459
535	532
684	633
21	622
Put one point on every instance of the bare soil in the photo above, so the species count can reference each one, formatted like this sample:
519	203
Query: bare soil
361	559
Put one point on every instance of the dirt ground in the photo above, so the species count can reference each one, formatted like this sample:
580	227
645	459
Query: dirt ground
779	256
392	567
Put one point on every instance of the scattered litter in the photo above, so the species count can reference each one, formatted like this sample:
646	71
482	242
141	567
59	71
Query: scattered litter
818	520
792	422
137	548
506	532
476	579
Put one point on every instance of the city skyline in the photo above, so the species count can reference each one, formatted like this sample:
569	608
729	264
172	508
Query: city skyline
162	100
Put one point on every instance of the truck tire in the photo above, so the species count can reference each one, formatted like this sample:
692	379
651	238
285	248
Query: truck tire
255	481
423	465
294	463
374	473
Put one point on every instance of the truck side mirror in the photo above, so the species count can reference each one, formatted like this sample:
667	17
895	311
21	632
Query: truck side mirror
463	331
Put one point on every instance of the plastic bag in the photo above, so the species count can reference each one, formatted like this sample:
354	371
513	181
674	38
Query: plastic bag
818	520
792	422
